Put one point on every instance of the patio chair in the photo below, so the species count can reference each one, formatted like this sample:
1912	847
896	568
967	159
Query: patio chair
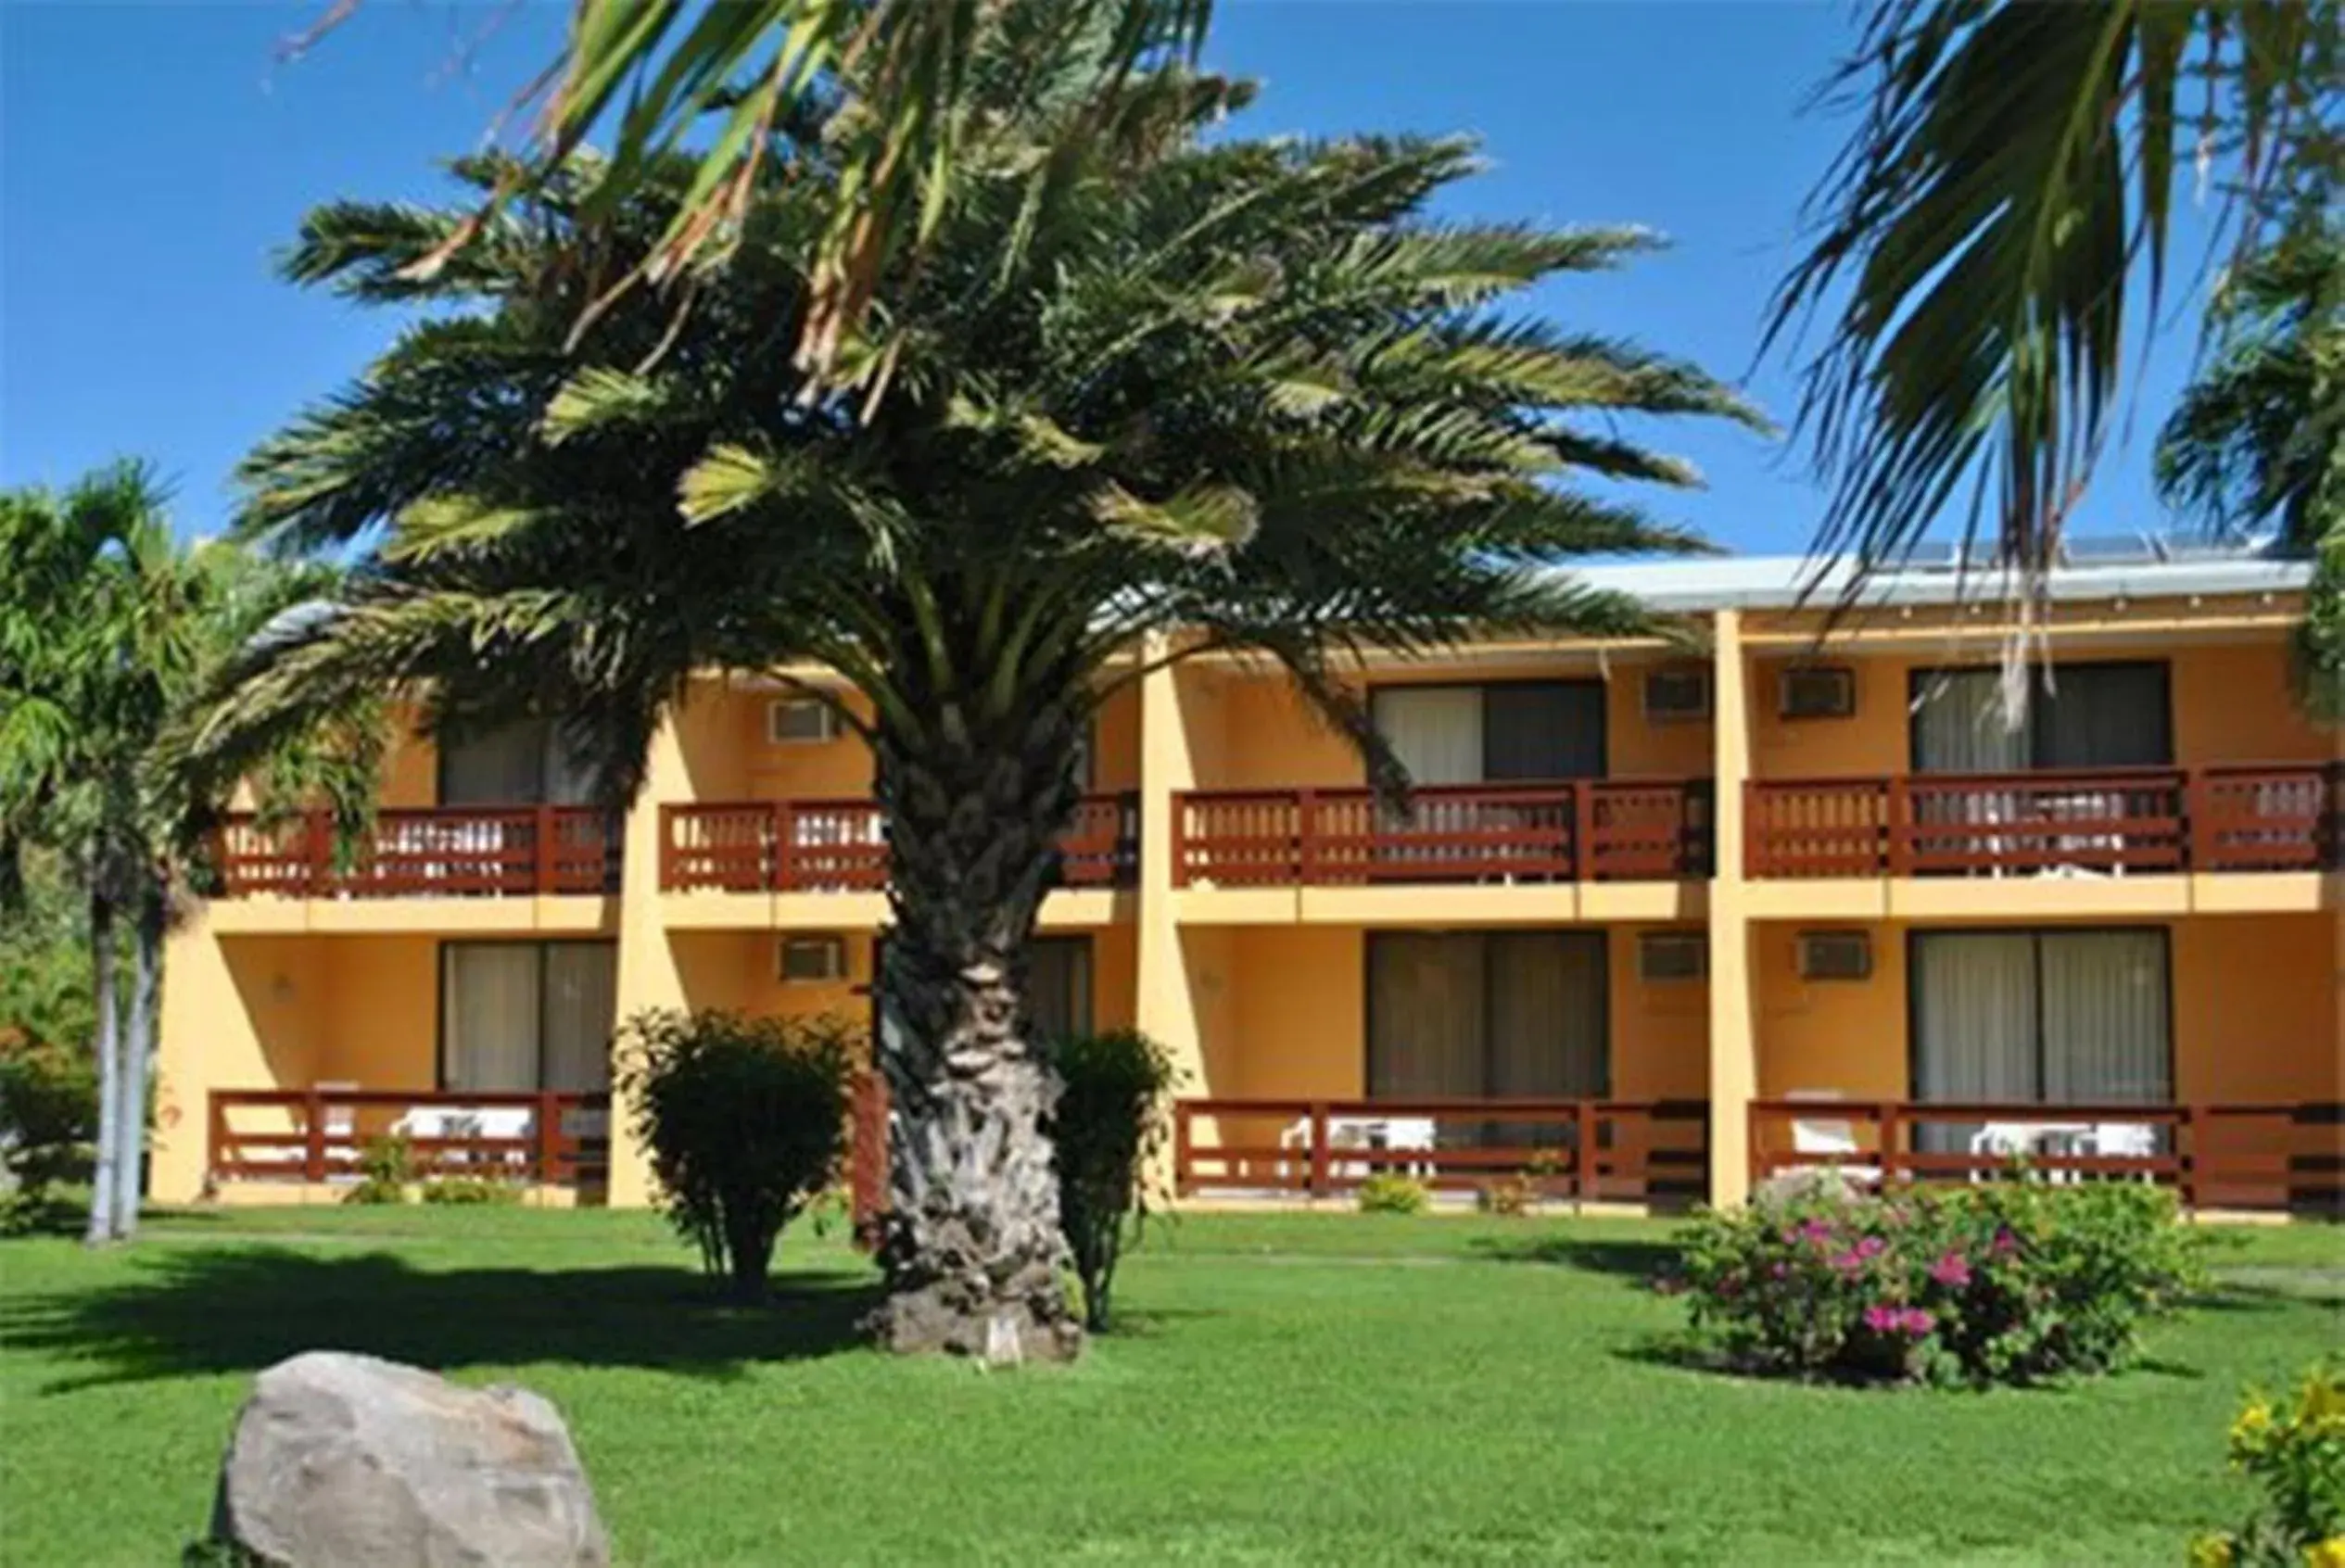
2123	1140
1829	1136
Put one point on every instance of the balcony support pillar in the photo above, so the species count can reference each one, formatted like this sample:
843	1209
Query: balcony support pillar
1734	1032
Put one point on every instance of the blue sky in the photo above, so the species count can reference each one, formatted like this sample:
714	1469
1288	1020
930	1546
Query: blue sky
154	156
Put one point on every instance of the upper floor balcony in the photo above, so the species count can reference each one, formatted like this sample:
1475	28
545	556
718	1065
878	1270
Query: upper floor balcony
453	851
840	845
2110	822
1561	830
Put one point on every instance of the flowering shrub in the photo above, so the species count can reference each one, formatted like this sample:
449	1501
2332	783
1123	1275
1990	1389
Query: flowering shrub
2295	1451
2006	1283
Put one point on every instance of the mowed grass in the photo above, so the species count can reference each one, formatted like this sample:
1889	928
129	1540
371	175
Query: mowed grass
1289	1389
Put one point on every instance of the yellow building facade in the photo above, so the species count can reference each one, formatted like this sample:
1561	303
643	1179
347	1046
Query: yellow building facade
1666	917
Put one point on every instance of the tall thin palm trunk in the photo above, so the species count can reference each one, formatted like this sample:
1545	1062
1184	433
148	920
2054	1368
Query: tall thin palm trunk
971	1247
108	1046
138	1054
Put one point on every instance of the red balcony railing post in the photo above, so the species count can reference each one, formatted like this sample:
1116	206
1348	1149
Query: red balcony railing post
1179	839
1892	1137
1586	1180
215	1134
1580	863
1897	824
2200	831
1183	1154
2190	1139
541	873
314	1130
1318	1148
1307	850
782	826
318	829
548	1131
670	826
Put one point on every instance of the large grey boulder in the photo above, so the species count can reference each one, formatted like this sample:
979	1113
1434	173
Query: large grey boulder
349	1461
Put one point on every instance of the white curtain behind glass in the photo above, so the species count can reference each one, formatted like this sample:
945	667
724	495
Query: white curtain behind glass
504	766
1437	731
1960	727
2106	1029
581	999
1974	1015
492	1015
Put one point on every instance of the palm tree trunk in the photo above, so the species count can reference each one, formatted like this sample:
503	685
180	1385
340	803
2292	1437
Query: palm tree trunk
971	1247
146	986
108	1047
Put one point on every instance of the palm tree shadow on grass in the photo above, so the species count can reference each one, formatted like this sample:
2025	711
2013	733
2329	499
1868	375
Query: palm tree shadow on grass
196	1312
1644	1261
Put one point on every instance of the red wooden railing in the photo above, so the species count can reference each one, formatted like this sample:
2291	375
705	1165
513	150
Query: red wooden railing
1590	830
1580	1149
456	850
2112	821
2217	1155
829	846
320	1134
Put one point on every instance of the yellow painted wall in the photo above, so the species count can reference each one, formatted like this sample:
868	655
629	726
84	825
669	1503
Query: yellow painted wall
2253	996
1283	1013
2232	702
381	1003
1249	730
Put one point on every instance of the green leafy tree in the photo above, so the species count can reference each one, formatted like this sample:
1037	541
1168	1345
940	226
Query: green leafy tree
2257	441
1237	396
2004	200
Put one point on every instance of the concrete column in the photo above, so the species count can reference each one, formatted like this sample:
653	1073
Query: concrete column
1164	1007
200	1004
649	975
1733	1008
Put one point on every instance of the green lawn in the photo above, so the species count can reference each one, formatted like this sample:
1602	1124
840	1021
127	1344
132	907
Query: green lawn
1290	1390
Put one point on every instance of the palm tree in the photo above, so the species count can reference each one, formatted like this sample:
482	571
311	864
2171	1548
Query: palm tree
2007	190
107	626
901	89
93	634
1242	396
2258	440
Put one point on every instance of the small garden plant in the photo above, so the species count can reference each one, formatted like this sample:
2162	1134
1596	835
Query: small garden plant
746	1121
48	1117
1389	1192
386	1168
2008	1282
2294	1450
1108	1122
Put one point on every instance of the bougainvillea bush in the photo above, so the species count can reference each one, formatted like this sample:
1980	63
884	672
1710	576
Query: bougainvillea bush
2010	1282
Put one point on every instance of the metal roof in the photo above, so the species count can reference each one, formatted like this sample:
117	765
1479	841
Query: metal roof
2094	571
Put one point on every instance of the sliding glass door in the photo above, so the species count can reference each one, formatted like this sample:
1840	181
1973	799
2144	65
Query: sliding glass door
1529	729
1058	985
1505	1015
2078	716
2041	1018
517	1016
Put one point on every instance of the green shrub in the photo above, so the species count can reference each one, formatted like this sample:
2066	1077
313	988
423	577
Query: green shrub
2003	1283
48	1119
746	1121
460	1192
386	1168
1389	1192
1108	1122
2294	1450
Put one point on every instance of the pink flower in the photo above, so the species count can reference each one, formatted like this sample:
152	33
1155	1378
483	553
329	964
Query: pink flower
1814	1231
1780	1270
1882	1319
1871	1246
2005	1242
1916	1322
1953	1271
1847	1262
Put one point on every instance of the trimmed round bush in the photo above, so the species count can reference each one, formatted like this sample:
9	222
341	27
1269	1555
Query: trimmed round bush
746	1119
2006	1283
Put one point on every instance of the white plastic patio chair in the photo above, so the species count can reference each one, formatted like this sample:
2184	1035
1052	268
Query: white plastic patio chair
2121	1140
1830	1136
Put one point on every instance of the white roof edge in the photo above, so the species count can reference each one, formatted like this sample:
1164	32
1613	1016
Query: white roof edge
1789	582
